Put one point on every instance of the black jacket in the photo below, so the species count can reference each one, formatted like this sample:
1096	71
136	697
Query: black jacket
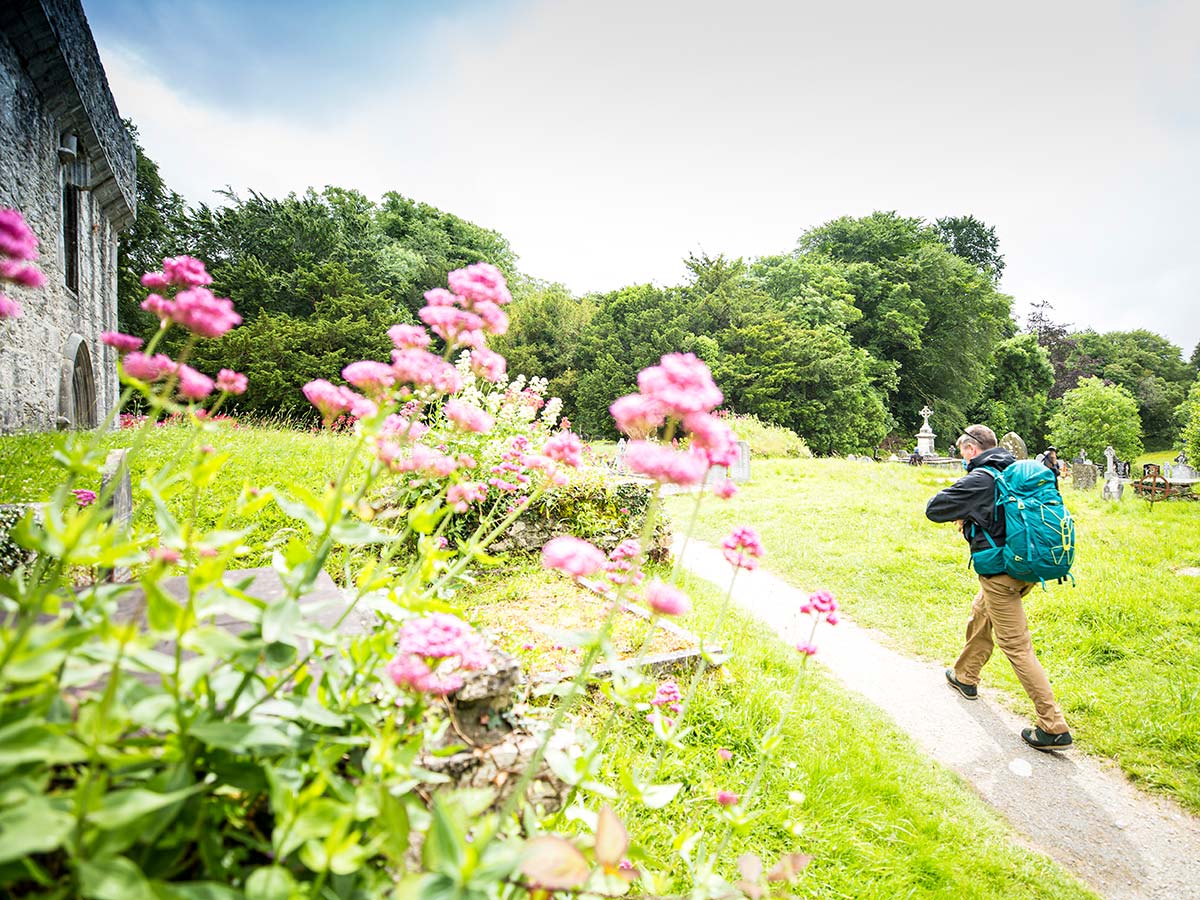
973	499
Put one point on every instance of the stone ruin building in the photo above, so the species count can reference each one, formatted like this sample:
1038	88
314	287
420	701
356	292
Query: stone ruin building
67	163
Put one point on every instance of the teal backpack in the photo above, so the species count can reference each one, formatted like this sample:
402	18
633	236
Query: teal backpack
1039	541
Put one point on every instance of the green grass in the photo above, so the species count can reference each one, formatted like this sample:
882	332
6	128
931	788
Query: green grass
260	456
879	819
1121	647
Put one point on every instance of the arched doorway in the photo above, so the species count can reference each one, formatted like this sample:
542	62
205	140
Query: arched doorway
77	386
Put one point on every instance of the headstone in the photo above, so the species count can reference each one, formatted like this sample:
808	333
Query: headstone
1168	471
925	436
1110	457
619	459
120	501
1113	487
1181	459
1081	459
1123	468
1013	444
1084	475
739	471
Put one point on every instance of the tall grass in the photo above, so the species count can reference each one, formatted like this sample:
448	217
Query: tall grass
1121	647
880	820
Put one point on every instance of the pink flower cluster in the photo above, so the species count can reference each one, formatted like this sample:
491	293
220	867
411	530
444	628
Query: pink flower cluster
665	465
565	448
432	652
743	548
681	389
623	566
194	306
572	556
179	272
472	307
666	600
415	458
332	400
821	603
123	343
18	249
468	417
84	497
668	695
193	385
460	496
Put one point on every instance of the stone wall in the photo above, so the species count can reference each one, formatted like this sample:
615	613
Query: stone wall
50	83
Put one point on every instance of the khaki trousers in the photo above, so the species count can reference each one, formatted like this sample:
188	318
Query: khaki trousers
998	614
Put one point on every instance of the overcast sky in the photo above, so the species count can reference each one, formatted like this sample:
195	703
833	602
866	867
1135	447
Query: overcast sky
606	140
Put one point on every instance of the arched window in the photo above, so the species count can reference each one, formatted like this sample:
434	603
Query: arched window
77	386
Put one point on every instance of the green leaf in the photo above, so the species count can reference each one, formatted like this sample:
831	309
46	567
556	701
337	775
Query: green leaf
168	527
35	825
240	736
279	621
316	820
114	878
25	741
356	533
656	796
444	849
270	883
307	511
122	807
194	890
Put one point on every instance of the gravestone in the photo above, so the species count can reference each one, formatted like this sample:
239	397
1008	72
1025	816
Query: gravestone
619	459
1113	488
1084	475
1110	461
1013	443
1183	471
739	471
925	436
1123	469
119	502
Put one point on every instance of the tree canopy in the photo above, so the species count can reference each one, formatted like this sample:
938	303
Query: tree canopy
843	339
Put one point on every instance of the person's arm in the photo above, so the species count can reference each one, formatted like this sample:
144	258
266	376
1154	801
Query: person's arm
965	496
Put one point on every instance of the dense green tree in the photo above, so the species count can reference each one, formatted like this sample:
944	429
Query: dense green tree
972	240
1150	367
440	241
545	326
1191	435
156	233
811	380
925	310
1018	389
1194	361
1095	415
632	328
811	290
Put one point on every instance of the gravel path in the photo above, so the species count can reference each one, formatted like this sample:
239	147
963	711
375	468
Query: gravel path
1079	810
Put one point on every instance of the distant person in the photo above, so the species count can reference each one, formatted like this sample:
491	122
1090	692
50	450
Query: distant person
997	613
1051	461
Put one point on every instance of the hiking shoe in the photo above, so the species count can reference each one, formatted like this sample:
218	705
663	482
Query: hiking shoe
1044	740
970	691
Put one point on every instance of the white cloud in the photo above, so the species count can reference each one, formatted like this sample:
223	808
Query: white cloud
608	140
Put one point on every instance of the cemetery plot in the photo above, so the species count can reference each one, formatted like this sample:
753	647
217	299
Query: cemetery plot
532	616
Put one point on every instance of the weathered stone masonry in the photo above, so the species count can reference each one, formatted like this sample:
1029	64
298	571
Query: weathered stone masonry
54	372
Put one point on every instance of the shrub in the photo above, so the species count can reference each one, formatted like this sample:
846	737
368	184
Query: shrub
1095	415
767	441
171	757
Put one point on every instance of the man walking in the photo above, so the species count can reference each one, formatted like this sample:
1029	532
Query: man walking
997	615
